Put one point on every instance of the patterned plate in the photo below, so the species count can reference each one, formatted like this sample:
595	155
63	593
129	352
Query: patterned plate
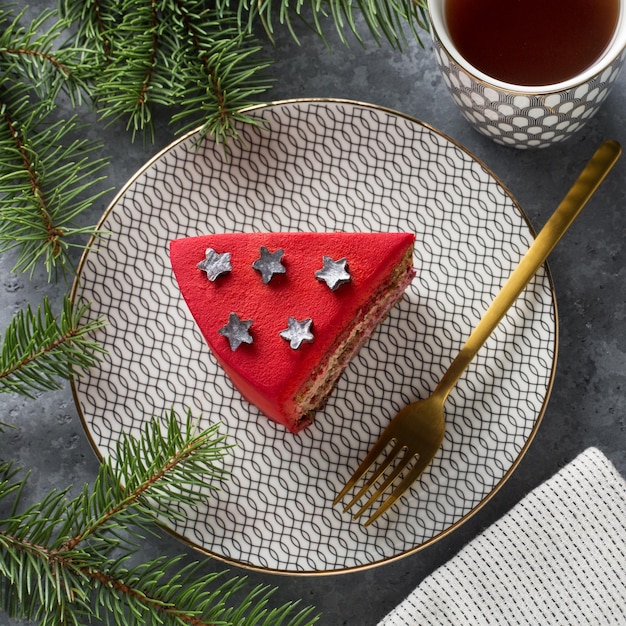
322	165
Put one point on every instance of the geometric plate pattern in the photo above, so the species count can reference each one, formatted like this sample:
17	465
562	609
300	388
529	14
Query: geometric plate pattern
323	165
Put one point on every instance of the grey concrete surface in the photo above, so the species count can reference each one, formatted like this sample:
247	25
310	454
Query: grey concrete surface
587	405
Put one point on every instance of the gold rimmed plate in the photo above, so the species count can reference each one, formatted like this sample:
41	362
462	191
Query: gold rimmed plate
323	165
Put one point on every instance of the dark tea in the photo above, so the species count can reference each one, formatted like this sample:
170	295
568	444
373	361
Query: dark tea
531	42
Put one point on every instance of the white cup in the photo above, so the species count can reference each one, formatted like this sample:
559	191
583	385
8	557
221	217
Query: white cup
524	116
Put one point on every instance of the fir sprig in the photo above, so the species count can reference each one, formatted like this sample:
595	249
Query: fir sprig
94	22
46	178
37	55
39	351
167	465
58	557
135	78
224	73
173	53
384	19
47	172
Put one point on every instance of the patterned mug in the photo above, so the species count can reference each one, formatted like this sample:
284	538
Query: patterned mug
521	116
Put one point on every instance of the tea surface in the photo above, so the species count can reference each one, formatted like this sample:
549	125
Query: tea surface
531	42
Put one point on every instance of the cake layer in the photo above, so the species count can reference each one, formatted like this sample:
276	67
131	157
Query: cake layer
265	289
314	392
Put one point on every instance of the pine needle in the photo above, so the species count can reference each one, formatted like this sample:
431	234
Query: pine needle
45	180
60	558
39	351
180	54
34	55
384	19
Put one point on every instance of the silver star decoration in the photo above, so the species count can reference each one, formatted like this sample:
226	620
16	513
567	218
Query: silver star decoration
334	273
269	264
215	264
236	331
297	332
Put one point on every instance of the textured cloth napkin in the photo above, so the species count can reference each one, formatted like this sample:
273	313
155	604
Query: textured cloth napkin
558	557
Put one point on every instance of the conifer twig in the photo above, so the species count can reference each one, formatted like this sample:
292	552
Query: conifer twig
45	178
38	351
34	55
46	172
58	557
172	53
384	19
227	78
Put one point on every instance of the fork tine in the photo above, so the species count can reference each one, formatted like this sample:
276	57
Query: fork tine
383	487
367	462
376	474
414	473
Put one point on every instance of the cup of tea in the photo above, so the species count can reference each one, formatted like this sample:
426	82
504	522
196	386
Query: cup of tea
529	73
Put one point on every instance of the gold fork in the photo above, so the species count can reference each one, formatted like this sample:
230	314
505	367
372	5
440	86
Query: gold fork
418	429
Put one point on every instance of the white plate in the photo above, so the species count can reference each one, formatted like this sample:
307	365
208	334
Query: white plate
322	165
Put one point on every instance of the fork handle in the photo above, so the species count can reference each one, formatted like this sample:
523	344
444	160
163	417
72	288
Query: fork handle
583	188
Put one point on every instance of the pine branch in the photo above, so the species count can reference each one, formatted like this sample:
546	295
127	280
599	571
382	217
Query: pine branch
384	19
38	350
167	465
228	77
57	558
45	179
171	53
133	80
94	22
35	55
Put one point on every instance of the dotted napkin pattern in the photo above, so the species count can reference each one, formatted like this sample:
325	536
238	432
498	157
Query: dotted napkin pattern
556	558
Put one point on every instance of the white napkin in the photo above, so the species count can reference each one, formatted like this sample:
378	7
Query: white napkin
558	557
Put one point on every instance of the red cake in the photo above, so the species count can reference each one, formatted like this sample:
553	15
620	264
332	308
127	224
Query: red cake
284	313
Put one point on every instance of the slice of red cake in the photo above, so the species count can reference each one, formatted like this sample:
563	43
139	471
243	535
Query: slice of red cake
284	313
